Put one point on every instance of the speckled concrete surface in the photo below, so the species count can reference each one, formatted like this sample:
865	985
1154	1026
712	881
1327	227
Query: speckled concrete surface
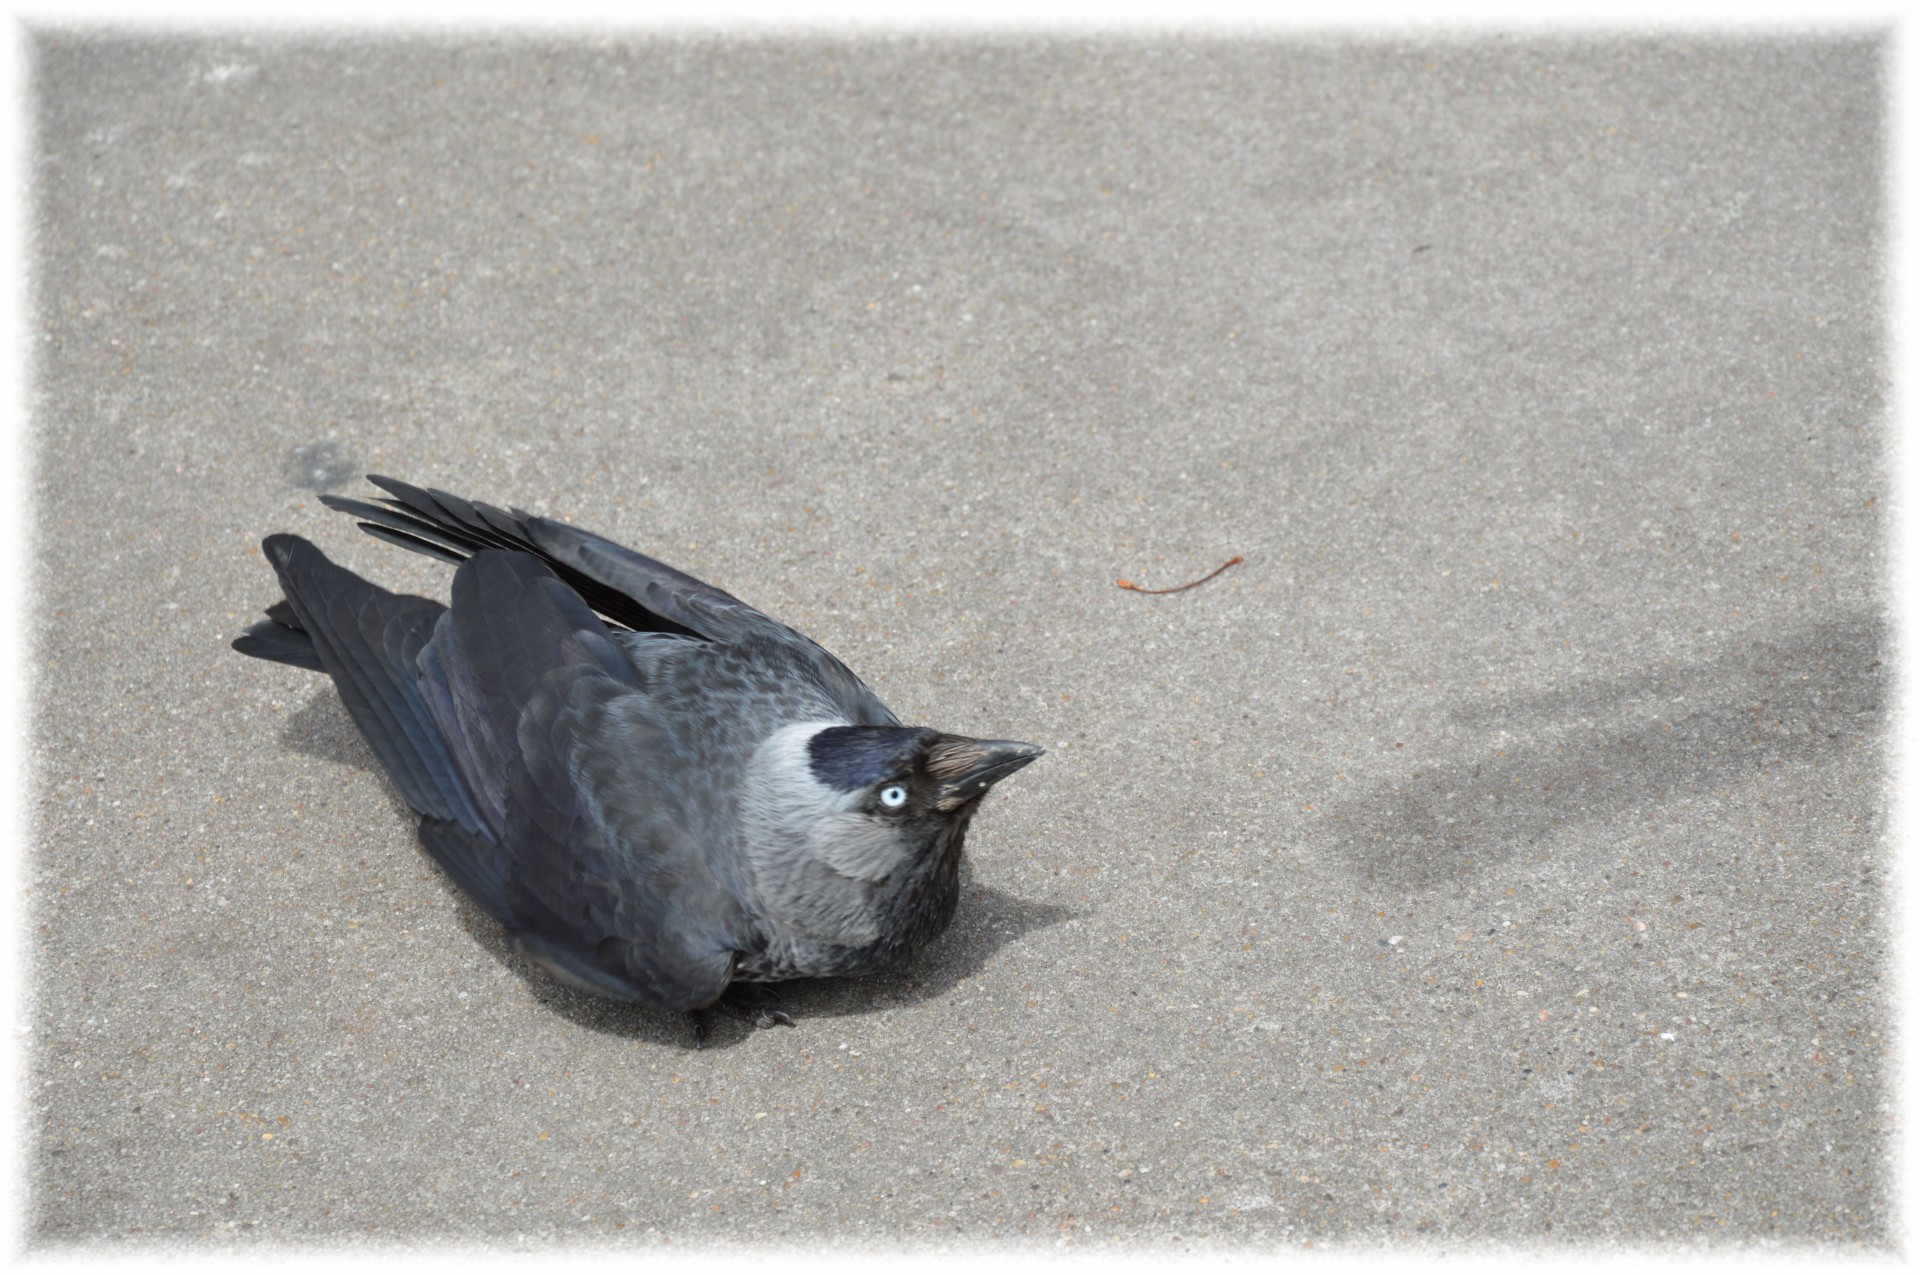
1495	855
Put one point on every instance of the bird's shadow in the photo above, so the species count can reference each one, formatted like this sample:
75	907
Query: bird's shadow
321	729
1617	748
988	920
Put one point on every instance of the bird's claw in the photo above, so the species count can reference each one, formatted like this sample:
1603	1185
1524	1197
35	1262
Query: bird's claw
751	1003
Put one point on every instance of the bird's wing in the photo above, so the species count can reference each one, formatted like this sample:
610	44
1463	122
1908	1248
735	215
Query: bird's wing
598	850
628	588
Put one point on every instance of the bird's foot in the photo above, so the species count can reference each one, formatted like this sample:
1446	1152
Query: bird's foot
756	1004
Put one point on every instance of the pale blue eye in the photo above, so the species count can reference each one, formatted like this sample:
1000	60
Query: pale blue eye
894	795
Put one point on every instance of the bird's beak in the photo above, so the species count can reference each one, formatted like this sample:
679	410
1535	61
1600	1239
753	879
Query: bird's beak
967	768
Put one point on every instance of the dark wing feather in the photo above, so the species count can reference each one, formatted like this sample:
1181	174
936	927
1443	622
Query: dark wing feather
628	588
628	907
429	521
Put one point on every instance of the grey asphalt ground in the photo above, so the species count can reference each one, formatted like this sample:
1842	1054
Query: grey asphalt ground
1497	854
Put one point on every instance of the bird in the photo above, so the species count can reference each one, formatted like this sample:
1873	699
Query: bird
663	795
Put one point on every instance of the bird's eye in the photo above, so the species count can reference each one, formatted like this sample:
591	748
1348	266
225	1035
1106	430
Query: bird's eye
894	796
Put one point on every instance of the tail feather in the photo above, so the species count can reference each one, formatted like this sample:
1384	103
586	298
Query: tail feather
284	644
368	640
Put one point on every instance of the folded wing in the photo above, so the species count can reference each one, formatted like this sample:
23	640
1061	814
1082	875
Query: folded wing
518	729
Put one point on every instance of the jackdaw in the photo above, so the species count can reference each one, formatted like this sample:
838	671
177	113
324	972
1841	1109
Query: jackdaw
670	797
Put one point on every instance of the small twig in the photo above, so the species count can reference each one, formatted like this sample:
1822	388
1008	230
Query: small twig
1138	589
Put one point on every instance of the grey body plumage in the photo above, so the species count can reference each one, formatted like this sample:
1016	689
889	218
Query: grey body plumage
657	800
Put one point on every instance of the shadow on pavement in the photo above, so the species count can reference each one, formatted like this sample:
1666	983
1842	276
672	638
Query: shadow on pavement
1614	749
988	920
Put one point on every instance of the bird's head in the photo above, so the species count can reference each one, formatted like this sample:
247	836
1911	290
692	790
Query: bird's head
869	802
854	833
909	774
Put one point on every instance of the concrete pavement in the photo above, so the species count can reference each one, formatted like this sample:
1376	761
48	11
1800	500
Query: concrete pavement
1497	854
